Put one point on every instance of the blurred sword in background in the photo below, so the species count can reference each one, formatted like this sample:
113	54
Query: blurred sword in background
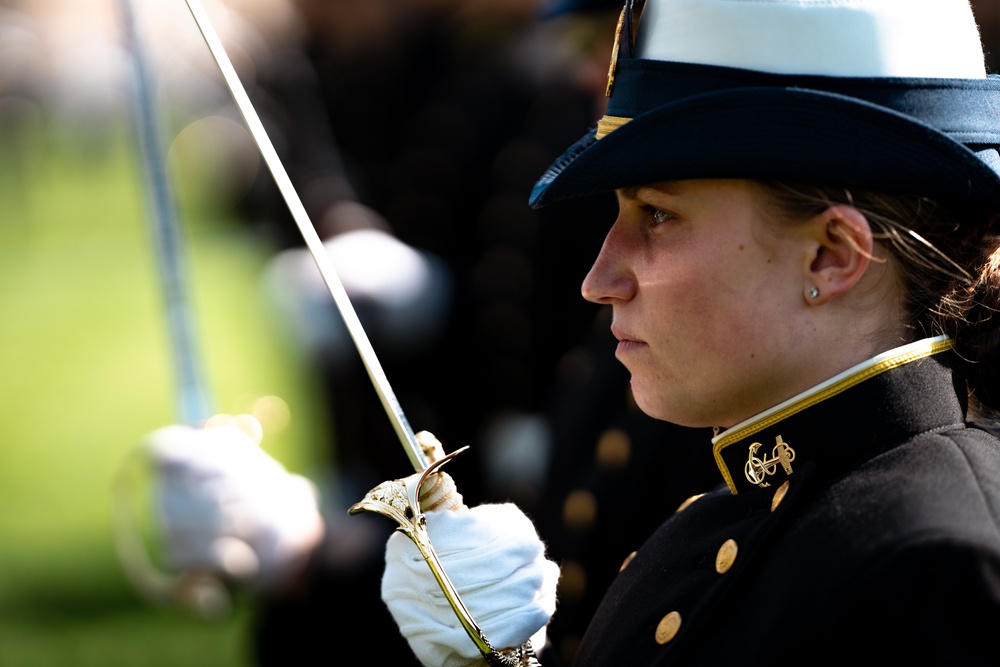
193	397
202	592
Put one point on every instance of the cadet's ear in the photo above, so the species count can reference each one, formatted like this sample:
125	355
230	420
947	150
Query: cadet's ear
843	250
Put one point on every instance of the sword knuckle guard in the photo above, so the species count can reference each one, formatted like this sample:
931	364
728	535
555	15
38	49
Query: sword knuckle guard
405	501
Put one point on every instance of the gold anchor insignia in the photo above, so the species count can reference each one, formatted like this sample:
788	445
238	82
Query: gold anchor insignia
757	469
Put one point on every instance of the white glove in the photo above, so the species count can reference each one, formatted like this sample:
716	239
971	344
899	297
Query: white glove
495	559
403	294
225	506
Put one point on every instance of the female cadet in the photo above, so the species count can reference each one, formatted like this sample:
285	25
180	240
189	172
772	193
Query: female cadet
806	258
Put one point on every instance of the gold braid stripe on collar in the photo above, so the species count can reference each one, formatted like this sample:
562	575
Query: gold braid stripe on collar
895	358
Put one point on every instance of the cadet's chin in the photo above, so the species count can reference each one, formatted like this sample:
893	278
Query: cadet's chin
666	408
651	403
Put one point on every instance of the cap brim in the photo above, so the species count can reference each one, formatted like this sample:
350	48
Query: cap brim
774	134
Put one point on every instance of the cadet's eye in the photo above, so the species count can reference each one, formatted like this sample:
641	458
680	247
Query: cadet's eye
657	215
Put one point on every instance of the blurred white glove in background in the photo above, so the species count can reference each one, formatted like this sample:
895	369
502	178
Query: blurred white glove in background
226	506
495	559
402	294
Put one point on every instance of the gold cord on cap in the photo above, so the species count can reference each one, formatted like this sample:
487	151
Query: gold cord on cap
609	124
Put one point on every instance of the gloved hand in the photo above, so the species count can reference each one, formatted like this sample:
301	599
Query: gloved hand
227	507
402	294
495	559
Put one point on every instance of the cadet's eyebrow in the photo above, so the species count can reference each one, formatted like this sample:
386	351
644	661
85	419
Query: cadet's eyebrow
630	192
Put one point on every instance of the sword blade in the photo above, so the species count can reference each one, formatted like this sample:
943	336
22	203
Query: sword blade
311	238
192	392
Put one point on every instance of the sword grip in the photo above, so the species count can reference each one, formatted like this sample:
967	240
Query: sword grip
405	501
438	492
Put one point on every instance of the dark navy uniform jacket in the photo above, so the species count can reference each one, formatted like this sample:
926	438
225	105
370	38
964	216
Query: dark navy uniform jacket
860	524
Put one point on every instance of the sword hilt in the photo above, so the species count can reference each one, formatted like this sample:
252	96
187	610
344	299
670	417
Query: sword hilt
405	501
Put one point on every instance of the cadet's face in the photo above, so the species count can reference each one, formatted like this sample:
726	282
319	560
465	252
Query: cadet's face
704	296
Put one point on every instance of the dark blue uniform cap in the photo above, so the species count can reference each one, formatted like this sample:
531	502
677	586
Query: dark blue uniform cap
673	120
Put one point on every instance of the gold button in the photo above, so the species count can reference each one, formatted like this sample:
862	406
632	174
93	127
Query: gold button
580	510
779	495
726	556
572	580
614	448
628	559
684	505
667	628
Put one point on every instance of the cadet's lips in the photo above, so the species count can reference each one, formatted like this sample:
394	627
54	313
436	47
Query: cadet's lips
626	341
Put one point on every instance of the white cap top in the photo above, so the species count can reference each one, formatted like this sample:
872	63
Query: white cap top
857	38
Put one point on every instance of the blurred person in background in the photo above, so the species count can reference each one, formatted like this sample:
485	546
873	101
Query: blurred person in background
441	124
459	103
424	138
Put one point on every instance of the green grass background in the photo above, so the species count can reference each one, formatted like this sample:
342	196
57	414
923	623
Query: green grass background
85	373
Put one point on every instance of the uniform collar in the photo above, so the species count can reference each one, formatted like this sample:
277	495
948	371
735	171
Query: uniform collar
846	419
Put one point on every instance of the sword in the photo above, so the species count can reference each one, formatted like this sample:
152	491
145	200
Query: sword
385	393
202	592
194	404
401	499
